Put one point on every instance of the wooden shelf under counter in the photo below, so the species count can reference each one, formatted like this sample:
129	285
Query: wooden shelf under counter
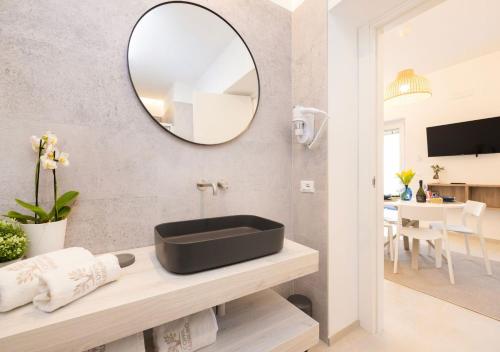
264	321
147	295
489	194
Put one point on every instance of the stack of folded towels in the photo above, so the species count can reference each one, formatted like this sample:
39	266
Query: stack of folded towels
186	334
134	343
55	279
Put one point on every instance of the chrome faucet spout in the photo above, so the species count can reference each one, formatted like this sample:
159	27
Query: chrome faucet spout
202	185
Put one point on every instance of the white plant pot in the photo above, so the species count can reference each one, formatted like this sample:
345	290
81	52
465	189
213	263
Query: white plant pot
44	238
10	262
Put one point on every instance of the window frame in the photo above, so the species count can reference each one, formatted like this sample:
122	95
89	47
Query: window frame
398	124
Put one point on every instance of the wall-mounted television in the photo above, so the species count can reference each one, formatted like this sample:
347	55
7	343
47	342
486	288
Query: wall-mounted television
464	138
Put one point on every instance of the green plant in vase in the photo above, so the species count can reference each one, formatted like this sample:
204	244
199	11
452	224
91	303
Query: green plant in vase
46	229
13	242
405	176
436	169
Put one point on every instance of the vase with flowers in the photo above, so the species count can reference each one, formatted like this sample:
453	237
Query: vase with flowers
405	177
46	230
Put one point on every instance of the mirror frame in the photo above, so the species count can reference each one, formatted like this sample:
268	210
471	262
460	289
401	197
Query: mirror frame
239	36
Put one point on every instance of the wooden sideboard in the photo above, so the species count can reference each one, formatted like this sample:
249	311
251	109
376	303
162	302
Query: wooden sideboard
489	194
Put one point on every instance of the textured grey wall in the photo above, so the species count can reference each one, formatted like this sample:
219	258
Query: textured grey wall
310	88
63	67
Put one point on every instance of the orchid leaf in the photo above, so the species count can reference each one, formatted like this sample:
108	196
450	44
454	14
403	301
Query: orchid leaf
42	214
66	198
61	202
63	213
23	219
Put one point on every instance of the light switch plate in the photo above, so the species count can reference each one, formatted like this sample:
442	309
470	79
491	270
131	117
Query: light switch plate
307	186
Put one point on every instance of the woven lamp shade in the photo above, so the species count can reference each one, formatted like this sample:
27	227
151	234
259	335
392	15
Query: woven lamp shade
407	88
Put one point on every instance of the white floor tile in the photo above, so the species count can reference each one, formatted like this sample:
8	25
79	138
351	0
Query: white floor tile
417	322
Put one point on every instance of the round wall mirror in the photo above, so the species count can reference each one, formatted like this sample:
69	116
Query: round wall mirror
193	73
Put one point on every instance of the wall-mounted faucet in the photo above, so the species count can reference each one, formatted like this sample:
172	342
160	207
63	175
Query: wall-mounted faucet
202	185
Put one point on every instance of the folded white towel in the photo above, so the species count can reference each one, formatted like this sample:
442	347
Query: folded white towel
19	281
134	343
62	286
186	334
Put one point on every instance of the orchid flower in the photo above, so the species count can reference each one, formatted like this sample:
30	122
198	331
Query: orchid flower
36	142
48	158
47	161
50	138
63	159
53	157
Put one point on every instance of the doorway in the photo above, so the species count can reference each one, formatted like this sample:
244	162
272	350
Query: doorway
356	102
356	268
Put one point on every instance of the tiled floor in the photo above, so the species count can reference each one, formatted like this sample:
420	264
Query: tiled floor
417	322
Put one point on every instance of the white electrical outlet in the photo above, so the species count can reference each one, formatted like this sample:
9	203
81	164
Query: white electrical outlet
307	186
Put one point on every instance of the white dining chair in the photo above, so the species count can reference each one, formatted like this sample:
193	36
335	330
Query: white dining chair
390	220
476	211
390	239
435	215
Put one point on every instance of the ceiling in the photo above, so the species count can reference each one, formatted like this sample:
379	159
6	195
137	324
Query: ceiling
447	34
175	43
290	5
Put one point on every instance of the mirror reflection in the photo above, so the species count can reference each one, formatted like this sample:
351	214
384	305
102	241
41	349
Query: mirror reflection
193	73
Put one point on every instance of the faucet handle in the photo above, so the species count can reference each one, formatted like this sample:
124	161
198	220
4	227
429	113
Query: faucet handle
202	184
222	184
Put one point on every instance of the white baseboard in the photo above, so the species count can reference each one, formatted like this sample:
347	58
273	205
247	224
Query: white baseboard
342	333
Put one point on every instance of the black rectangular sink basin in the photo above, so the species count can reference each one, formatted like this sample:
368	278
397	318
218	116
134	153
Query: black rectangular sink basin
186	247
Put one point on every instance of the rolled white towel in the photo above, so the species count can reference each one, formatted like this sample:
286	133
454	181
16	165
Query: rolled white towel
187	334
62	286
19	281
134	343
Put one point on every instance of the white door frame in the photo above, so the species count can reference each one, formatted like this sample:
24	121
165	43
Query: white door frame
370	163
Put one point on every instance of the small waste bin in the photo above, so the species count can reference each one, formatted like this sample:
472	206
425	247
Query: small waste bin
301	302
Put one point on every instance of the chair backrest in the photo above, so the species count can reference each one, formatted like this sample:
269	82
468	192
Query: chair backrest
390	216
417	211
474	208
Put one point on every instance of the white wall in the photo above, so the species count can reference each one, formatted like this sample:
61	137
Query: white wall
467	91
229	67
220	117
182	93
343	156
156	107
347	297
182	122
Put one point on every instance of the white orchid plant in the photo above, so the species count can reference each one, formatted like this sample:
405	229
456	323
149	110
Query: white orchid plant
49	158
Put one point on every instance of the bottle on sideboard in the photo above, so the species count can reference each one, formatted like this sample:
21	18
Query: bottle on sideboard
421	196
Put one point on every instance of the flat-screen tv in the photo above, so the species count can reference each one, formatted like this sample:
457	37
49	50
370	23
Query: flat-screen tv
470	137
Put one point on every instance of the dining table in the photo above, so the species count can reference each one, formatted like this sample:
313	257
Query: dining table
391	217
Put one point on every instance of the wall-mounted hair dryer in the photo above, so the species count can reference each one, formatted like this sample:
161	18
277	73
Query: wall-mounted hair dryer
303	124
